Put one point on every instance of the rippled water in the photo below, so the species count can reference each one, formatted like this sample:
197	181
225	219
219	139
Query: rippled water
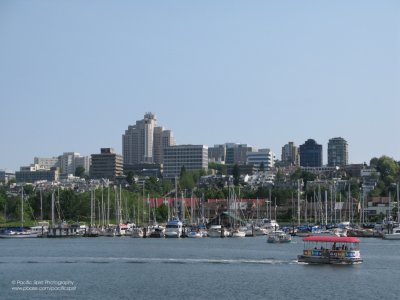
230	268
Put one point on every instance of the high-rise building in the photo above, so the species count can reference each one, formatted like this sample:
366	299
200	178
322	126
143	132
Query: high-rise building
338	153
290	155
107	164
192	157
262	156
311	154
145	142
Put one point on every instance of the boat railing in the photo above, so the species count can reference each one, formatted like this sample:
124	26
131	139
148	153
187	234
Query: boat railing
332	253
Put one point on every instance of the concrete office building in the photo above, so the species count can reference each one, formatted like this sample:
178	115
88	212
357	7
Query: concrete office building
217	153
107	164
192	157
338	152
35	173
262	156
67	163
237	153
310	154
290	155
145	142
6	176
47	163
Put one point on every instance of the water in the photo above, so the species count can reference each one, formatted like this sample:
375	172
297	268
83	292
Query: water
127	268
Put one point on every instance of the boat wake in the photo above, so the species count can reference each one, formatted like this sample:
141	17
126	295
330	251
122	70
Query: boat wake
136	260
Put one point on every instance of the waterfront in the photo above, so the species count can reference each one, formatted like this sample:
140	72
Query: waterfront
230	268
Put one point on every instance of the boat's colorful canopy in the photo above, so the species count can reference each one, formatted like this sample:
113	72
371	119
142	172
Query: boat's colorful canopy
331	239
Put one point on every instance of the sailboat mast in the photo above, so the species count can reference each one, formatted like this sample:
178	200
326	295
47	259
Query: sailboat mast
52	209
108	205
398	206
326	207
298	202
41	204
22	208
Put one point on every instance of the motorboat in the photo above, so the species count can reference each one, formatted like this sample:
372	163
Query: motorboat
395	235
137	232
173	229
279	236
269	224
330	250
42	228
217	231
194	233
18	233
238	232
157	232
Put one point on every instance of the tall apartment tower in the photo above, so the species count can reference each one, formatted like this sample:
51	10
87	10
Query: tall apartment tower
338	152
311	154
290	155
145	142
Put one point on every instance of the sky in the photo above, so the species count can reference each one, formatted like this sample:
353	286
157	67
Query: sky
75	74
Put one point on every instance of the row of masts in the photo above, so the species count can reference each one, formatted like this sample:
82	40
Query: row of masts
318	209
328	209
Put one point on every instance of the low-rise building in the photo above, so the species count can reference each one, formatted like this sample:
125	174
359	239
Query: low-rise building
107	164
192	157
262	157
34	172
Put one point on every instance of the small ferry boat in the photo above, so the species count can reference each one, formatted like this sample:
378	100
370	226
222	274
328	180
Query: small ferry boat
330	250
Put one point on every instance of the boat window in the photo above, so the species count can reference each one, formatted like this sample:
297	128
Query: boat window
172	226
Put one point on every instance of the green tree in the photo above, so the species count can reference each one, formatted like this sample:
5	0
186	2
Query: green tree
183	172
79	171
162	213
129	177
236	175
220	168
388	168
187	181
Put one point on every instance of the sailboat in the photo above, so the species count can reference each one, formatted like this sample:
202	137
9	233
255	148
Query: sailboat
20	232
233	206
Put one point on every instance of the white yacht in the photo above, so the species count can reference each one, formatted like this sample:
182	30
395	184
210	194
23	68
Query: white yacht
395	235
270	225
238	232
22	233
173	229
279	236
41	229
217	231
137	232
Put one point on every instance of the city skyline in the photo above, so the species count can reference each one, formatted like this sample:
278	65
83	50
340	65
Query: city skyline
262	74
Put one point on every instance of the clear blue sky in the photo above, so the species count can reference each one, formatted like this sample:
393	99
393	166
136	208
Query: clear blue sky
75	74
